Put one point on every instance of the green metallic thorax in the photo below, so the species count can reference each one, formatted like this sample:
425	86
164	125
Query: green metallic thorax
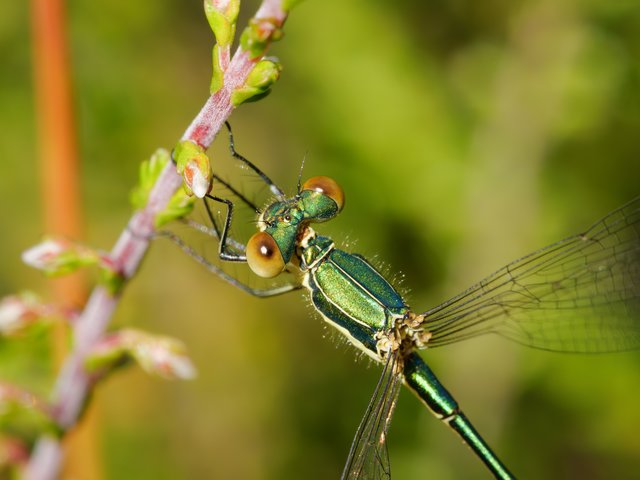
282	220
349	293
353	297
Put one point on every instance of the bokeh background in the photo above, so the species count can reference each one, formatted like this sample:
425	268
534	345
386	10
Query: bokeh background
464	133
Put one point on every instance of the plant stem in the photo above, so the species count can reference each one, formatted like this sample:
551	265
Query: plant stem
73	383
208	122
61	205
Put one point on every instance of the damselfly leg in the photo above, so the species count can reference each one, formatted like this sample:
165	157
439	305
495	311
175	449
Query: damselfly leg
232	148
581	294
230	249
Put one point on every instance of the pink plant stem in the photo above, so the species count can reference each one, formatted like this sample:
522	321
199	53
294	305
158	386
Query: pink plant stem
73	383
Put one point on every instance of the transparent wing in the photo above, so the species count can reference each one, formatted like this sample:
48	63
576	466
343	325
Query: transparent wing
581	294
368	457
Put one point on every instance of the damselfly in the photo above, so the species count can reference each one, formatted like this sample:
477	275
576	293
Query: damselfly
581	294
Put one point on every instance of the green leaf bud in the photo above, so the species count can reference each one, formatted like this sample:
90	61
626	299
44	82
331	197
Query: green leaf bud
257	35
157	355
217	77
149	172
222	19
59	256
19	312
194	166
179	205
23	411
258	83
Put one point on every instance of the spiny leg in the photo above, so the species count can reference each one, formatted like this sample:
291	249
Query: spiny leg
214	230
272	186
225	240
257	292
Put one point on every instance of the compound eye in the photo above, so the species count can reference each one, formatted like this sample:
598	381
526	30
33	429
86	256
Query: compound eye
263	255
327	186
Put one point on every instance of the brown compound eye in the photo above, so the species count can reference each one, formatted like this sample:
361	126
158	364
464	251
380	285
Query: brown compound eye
263	255
327	186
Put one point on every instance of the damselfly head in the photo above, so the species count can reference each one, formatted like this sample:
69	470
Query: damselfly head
281	223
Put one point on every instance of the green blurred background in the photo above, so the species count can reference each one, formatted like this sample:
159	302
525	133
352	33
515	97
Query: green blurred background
464	133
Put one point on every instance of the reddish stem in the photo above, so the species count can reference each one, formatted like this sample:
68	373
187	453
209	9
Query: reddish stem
61	205
73	383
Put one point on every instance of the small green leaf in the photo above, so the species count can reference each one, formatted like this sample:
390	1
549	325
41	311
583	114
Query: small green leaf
180	205
158	355
222	21
149	172
20	312
258	83
217	78
194	166
258	34
58	256
22	411
111	279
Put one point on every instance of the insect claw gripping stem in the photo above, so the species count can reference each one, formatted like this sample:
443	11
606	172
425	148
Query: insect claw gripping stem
237	193
272	186
227	243
223	251
214	224
73	386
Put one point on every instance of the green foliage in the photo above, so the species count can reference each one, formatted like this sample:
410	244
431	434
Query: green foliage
57	256
258	34
181	202
148	175
23	415
157	355
259	82
18	313
223	25
464	134
222	22
193	164
180	205
217	77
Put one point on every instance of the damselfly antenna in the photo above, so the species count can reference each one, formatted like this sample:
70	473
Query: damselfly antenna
300	174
